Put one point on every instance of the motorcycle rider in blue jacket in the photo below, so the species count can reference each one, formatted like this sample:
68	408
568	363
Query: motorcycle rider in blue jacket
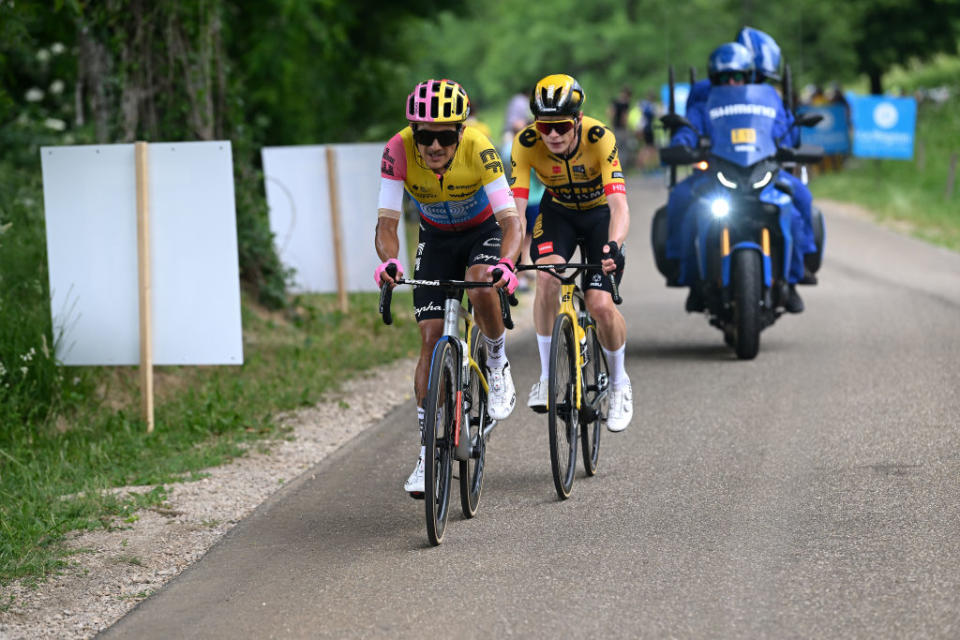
735	63
766	60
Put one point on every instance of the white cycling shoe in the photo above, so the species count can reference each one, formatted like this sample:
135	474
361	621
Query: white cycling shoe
502	396
414	484
537	400
621	407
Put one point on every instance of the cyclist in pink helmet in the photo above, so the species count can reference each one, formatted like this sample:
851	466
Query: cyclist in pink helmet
468	227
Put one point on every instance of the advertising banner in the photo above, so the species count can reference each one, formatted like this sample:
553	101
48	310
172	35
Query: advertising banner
883	126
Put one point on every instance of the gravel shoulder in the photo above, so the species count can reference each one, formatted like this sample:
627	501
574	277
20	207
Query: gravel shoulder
115	569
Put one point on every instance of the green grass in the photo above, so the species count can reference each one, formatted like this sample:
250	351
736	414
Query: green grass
911	193
53	474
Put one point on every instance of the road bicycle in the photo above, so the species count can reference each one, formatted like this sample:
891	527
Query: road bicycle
579	379
456	424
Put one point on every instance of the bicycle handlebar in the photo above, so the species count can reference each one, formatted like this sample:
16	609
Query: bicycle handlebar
506	301
386	295
554	269
612	277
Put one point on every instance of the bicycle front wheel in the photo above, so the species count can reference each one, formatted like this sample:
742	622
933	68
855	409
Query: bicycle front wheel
439	424
596	400
475	411
561	405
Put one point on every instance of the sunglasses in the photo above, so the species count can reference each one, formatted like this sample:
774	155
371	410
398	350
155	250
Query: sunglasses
560	126
445	137
724	77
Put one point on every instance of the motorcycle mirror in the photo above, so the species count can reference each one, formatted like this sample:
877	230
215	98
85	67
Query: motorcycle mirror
809	119
673	121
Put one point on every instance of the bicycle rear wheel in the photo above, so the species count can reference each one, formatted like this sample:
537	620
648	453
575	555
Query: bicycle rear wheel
561	405
596	400
439	419
475	411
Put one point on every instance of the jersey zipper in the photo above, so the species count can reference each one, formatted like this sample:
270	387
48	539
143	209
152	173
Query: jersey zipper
573	191
446	205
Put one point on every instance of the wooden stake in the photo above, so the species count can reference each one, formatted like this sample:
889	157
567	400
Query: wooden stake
335	224
143	263
951	176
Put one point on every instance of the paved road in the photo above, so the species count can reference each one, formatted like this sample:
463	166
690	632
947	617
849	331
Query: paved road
812	492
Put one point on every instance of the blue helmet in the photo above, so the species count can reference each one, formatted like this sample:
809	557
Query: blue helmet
730	57
765	52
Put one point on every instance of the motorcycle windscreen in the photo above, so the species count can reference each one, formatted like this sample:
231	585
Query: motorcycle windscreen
742	120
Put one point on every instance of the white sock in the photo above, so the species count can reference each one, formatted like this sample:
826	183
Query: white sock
420	417
496	351
618	374
543	343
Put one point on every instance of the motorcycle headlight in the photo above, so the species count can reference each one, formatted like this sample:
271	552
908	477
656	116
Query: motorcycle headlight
729	184
764	181
720	207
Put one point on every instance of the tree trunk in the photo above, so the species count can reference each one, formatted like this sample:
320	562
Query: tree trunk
876	82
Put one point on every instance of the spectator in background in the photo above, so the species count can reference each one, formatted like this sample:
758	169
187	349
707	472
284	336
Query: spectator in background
647	155
618	117
516	118
835	161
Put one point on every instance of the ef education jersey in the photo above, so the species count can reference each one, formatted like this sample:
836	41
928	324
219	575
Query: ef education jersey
581	180
472	189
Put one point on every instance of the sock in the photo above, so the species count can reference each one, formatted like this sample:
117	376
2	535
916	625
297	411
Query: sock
618	375
496	353
543	343
420	415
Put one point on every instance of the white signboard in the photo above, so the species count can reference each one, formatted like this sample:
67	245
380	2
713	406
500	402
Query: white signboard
298	195
91	216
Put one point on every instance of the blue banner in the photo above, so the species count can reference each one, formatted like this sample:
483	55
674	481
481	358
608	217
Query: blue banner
680	92
832	133
883	126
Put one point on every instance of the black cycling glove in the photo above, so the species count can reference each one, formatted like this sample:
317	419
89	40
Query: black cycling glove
616	254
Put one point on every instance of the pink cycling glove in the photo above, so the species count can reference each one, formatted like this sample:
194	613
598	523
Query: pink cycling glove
383	267
506	266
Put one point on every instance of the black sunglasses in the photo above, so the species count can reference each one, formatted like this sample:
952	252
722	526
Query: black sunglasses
445	137
724	77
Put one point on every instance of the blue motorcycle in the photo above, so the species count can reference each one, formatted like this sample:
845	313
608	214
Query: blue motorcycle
742	212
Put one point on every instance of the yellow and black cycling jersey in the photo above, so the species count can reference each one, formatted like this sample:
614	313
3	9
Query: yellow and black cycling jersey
579	180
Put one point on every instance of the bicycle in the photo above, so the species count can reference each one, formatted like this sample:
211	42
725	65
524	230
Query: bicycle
456	424
579	379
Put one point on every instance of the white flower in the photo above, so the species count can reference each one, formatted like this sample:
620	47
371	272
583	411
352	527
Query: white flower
43	55
57	48
23	370
56	87
55	123
34	94
3	370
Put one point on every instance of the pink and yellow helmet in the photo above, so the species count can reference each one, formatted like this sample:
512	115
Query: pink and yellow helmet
438	101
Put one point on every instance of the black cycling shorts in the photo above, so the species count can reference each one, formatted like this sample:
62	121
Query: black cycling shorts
559	231
444	255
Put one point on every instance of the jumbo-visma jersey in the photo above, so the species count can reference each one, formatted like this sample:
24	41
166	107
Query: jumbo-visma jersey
581	181
472	189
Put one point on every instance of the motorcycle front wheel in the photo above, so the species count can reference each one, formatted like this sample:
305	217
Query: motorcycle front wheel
746	282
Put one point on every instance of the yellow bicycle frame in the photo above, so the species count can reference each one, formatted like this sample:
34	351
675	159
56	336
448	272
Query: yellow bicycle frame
473	363
567	309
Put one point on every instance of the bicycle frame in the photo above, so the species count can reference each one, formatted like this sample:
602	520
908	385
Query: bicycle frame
569	291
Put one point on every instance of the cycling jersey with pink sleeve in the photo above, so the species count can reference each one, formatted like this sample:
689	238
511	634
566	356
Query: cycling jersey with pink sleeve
468	193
